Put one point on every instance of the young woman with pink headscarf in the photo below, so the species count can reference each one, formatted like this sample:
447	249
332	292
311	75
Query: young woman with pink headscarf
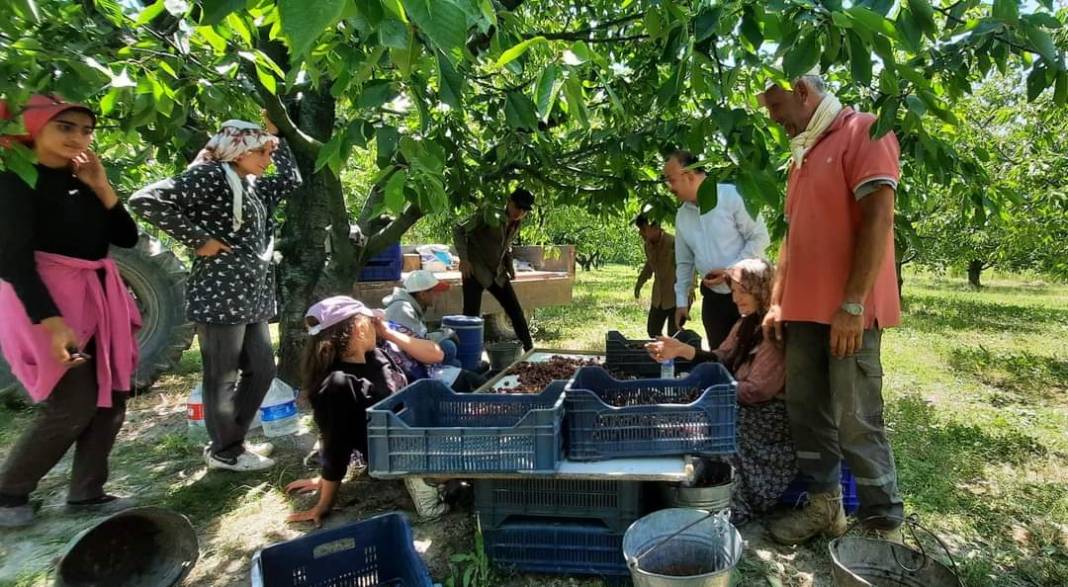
67	322
222	207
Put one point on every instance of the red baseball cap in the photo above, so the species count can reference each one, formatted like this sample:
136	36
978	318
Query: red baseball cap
39	110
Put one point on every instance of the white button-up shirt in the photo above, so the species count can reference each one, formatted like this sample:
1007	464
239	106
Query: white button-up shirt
717	239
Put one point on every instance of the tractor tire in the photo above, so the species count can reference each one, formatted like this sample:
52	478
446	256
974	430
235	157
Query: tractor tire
156	279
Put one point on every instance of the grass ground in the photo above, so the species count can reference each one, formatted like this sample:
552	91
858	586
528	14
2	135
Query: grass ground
977	404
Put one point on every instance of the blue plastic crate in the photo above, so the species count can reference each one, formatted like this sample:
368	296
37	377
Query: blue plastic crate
628	357
561	547
796	495
616	504
375	552
427	428
607	418
384	266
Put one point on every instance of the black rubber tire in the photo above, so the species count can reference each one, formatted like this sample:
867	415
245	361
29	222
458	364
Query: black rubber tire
156	278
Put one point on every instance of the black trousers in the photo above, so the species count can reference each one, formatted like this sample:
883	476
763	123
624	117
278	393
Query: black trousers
657	318
506	298
238	371
69	417
718	313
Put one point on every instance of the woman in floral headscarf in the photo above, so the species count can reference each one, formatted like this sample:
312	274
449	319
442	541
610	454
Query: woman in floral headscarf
223	207
765	462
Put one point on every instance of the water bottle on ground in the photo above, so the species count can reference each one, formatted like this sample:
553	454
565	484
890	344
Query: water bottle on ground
667	369
194	414
278	412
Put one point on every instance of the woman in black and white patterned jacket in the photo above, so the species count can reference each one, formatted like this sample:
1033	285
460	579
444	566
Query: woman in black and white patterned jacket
223	207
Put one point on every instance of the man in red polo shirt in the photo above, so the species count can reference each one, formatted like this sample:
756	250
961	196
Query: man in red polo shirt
834	293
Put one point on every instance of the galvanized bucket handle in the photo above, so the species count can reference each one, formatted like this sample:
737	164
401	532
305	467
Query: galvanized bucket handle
663	541
912	522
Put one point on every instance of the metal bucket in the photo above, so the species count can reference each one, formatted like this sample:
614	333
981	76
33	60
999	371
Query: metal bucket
712	492
503	354
868	562
139	547
681	547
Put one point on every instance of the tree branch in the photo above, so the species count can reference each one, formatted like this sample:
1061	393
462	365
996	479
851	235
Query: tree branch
580	34
393	231
279	115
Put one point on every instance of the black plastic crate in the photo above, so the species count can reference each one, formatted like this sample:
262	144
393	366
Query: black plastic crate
628	357
559	547
607	418
375	552
614	503
428	428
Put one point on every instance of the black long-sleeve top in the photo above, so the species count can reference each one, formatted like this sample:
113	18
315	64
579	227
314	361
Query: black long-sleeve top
340	404
234	287
59	215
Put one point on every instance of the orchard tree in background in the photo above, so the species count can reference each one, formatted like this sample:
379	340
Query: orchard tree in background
460	100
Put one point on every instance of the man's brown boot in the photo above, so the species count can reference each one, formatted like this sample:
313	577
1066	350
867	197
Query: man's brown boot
822	515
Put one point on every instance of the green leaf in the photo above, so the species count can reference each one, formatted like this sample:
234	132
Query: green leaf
376	93
1036	81
750	29
443	21
887	118
450	83
1042	43
872	21
1007	10
911	32
28	10
576	103
707	195
519	111
888	83
916	106
394	192
371	10
20	159
516	51
393	33
923	14
1060	88
802	57
214	11
386	139
705	24
149	13
546	90
859	60
302	25
1043	19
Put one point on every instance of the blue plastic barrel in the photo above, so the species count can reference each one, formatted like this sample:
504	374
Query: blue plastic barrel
469	331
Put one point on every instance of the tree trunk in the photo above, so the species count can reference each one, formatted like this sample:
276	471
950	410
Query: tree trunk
308	272
975	269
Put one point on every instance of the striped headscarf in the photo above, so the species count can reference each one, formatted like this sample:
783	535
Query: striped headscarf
234	139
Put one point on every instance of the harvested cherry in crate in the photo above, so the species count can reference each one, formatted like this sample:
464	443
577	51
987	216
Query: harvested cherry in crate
534	377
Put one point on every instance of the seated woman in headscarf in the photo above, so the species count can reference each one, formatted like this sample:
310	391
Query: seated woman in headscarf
765	463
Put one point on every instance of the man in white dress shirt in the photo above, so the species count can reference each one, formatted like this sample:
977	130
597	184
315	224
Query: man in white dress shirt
709	243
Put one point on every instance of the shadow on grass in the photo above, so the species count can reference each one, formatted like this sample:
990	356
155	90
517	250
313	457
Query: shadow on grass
1030	375
943	470
938	314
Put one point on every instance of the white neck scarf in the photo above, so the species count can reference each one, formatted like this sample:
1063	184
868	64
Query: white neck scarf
234	139
825	114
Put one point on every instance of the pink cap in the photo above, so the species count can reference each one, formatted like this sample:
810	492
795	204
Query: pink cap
335	310
38	111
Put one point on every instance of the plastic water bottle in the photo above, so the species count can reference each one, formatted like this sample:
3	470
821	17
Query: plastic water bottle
278	411
667	369
194	413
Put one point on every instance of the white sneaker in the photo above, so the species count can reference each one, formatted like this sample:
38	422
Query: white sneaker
264	449
246	461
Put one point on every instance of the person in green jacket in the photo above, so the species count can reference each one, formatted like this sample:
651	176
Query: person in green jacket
486	261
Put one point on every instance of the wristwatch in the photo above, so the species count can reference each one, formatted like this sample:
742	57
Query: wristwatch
853	309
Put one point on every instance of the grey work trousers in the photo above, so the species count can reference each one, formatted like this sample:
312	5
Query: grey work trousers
835	408
69	417
238	370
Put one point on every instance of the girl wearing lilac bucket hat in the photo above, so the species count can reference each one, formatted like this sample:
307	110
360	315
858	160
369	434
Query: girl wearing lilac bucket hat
346	369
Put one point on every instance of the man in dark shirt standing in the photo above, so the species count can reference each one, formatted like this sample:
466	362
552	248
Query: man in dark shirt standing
485	251
660	265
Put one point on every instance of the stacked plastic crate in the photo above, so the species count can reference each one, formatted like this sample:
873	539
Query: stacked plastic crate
531	520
